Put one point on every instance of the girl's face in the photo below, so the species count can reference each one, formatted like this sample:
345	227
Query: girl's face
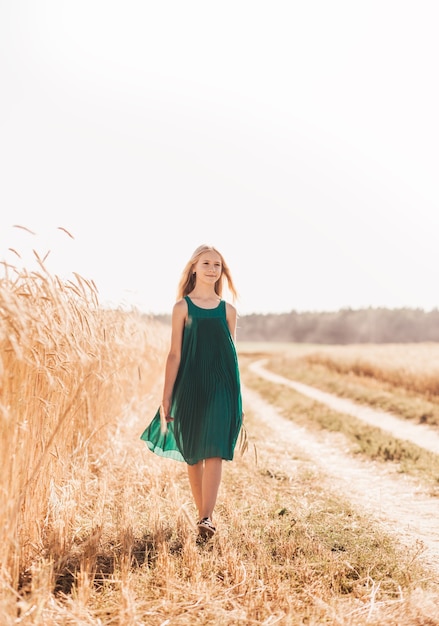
208	267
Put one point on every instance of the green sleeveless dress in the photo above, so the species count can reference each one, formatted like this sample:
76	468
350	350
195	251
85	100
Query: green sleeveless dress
206	400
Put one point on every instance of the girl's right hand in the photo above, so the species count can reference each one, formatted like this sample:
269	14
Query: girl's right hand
165	409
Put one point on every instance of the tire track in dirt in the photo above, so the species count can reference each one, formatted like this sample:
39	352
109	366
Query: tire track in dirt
420	434
398	502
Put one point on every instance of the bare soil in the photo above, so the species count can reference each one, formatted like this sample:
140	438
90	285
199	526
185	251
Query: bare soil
400	503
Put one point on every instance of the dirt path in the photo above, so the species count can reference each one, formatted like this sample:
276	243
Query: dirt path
398	502
420	434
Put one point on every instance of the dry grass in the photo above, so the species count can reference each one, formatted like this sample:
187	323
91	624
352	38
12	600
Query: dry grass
413	367
361	439
69	372
381	376
402	379
97	530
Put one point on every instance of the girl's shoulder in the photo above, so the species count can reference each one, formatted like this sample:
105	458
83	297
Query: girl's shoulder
231	312
181	303
231	308
180	308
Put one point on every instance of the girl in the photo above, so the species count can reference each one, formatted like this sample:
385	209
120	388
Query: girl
200	416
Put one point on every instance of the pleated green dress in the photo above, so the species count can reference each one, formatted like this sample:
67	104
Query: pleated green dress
206	400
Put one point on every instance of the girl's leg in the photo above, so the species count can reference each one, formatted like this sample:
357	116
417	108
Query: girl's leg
205	479
195	474
211	482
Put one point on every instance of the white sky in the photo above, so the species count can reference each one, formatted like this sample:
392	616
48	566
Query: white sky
298	137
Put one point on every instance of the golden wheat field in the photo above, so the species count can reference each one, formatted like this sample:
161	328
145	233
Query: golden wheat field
96	530
71	373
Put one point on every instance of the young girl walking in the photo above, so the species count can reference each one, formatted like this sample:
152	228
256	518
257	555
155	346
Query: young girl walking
200	416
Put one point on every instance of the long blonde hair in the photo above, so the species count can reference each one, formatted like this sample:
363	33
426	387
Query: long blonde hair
188	279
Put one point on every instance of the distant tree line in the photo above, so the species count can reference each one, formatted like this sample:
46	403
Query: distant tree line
371	325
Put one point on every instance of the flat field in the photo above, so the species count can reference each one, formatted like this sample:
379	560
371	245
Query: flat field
96	530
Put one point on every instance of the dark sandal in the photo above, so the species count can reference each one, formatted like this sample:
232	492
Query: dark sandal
205	528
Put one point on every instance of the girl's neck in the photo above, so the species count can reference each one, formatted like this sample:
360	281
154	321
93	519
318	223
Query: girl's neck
204	295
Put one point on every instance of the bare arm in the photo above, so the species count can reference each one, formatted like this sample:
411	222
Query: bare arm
179	314
232	318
